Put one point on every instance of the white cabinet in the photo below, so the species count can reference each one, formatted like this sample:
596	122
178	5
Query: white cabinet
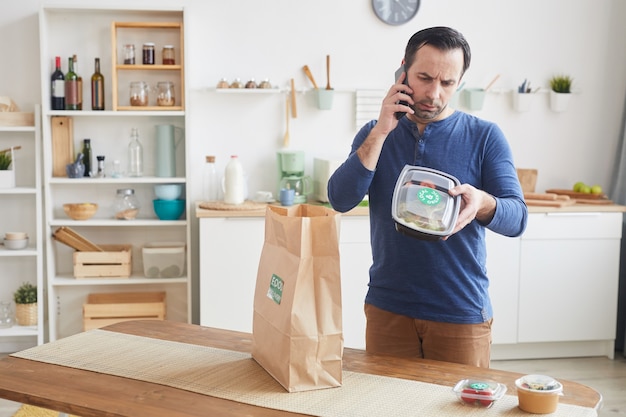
86	32
503	265
21	211
554	290
567	287
569	291
230	249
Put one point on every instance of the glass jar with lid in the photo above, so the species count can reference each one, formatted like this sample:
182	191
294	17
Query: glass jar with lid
165	93
126	206
129	54
168	56
148	53
139	93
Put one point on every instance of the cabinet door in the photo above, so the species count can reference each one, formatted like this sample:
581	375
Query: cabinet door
230	249
569	277
503	263
356	258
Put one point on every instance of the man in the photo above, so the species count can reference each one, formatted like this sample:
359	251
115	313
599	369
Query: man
430	299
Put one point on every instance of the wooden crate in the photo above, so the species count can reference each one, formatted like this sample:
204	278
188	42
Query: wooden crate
17	119
103	309
114	262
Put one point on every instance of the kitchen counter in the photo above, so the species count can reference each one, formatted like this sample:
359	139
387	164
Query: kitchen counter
364	211
541	258
203	213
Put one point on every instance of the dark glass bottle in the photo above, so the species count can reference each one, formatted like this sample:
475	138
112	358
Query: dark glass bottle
57	93
87	157
97	88
80	82
71	87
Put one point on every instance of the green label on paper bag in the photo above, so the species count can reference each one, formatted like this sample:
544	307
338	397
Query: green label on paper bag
275	291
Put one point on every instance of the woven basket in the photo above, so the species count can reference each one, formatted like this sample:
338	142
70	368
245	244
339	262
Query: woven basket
26	314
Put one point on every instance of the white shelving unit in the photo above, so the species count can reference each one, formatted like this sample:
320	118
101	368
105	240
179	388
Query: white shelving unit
22	212
86	31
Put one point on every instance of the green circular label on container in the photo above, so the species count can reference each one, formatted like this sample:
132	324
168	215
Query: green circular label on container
479	386
429	196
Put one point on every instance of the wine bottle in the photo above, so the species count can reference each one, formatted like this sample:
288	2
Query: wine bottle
97	88
57	94
80	82
71	87
87	157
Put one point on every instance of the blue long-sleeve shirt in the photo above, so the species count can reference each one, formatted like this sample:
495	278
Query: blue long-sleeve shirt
444	280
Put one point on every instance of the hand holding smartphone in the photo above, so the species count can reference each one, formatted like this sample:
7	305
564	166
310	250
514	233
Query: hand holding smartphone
399	72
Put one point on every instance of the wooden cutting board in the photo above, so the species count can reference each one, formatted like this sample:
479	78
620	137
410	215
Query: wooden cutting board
220	205
550	203
576	195
527	179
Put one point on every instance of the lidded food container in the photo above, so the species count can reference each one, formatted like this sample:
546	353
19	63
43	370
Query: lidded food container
126	204
165	93
421	205
139	93
479	393
538	394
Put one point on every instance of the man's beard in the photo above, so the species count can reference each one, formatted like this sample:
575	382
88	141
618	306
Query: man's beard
428	114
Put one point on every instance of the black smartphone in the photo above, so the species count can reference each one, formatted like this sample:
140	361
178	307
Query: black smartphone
399	71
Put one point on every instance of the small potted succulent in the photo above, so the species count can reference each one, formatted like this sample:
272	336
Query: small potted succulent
7	171
25	298
560	90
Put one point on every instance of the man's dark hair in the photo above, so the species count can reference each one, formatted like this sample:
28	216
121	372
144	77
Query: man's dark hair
442	38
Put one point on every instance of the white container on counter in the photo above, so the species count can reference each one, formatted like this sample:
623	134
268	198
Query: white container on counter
234	182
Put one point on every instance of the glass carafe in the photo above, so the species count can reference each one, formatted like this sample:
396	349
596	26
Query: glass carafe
7	318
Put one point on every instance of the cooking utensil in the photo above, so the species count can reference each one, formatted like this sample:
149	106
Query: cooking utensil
540	196
492	82
77	168
577	195
14	148
528	179
328	72
550	203
74	240
286	137
309	75
294	111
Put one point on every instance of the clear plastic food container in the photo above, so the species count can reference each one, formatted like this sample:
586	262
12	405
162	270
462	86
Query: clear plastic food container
538	394
479	393
421	205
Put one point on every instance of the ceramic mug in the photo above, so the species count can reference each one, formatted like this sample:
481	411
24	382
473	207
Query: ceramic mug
287	196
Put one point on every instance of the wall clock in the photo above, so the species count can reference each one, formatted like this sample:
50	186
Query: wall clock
395	12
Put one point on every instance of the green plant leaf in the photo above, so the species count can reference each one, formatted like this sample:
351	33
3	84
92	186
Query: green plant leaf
25	294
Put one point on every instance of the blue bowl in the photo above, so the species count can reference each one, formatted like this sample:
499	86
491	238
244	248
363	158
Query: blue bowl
169	209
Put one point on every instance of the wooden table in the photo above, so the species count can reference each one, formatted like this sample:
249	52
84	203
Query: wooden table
88	394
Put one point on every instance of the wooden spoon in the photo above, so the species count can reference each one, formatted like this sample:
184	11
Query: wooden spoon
286	137
328	72
492	82
309	74
15	148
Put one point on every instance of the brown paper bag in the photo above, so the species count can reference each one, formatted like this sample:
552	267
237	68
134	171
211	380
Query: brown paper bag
297	329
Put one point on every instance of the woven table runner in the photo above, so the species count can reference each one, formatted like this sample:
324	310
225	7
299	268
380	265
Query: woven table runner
236	376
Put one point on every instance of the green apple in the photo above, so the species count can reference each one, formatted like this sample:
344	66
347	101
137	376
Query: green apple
578	186
596	189
585	189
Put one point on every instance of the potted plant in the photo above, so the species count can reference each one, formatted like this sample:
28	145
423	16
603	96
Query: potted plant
7	171
560	90
25	298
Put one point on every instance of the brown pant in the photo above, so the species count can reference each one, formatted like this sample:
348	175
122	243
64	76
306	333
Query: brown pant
398	335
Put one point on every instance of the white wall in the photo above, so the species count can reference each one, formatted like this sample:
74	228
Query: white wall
273	39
